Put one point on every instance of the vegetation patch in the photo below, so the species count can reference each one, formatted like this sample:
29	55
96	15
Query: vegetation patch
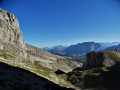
5	55
79	77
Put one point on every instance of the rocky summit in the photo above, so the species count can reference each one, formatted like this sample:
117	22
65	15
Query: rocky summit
15	52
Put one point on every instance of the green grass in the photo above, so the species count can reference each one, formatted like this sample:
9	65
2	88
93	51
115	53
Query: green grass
78	78
104	69
5	55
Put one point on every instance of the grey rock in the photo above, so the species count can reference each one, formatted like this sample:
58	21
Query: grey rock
9	29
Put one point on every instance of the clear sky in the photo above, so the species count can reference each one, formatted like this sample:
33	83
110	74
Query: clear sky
64	22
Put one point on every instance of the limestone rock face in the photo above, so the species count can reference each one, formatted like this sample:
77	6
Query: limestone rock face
11	36
9	29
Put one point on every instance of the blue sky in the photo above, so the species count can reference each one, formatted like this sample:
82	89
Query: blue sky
64	22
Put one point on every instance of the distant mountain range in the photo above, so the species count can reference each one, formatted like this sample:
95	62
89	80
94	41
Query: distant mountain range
112	47
79	50
109	44
56	49
58	46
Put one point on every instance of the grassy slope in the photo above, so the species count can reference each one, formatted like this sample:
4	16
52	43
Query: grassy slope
78	77
39	70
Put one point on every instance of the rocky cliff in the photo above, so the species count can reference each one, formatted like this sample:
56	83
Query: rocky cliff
9	29
13	50
106	58
11	36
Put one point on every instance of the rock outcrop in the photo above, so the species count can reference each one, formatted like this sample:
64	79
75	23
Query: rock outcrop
107	58
9	29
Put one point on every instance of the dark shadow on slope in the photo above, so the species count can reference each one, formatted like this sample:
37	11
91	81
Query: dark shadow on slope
59	72
97	79
109	80
14	78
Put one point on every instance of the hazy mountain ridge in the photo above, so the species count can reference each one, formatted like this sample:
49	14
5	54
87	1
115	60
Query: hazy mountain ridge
77	50
109	44
80	49
58	50
58	46
112	47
